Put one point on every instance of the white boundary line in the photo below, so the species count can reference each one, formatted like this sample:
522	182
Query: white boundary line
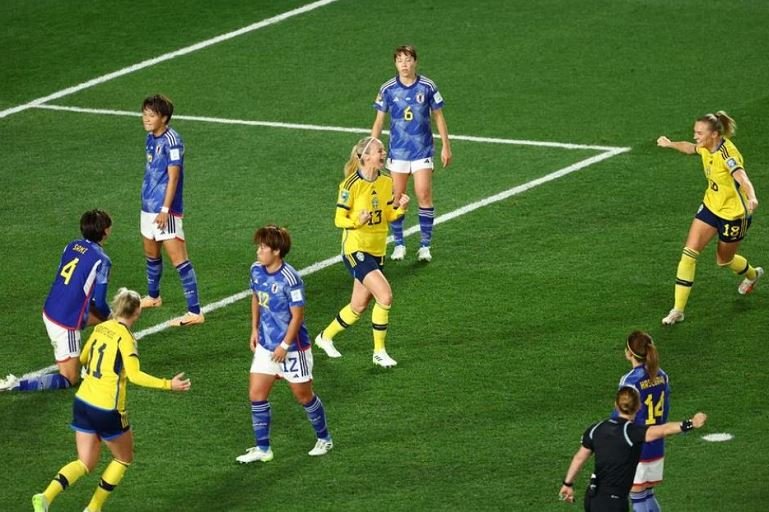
166	56
320	265
315	127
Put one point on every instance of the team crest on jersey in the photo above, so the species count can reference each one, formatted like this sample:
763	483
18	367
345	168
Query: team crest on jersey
420	98
275	288
360	256
375	203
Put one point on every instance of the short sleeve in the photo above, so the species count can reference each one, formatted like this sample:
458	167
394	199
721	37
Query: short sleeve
295	295
255	274
436	100
587	437
636	433
733	164
381	102
175	154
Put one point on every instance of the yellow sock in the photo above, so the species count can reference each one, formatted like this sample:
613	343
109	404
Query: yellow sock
67	476
380	318
685	277
109	480
740	266
344	319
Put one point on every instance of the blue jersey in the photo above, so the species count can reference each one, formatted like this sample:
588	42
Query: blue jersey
277	293
411	136
162	152
81	278
655	405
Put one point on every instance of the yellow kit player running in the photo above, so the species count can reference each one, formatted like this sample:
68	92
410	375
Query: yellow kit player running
99	410
726	210
364	208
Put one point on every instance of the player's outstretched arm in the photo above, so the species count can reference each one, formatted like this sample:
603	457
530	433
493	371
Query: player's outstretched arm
671	428
682	146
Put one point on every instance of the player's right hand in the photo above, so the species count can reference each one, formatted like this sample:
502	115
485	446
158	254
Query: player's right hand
364	217
254	341
663	142
403	201
698	419
179	383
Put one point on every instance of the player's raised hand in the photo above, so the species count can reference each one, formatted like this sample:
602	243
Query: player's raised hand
664	142
179	383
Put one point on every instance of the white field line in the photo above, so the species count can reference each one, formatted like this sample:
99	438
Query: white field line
320	265
315	127
166	56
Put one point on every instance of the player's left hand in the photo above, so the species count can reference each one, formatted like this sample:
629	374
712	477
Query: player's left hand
567	494
279	354
445	156
752	205
403	201
162	220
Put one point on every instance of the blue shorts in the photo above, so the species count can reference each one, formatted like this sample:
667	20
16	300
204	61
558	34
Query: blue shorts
107	424
360	263
728	230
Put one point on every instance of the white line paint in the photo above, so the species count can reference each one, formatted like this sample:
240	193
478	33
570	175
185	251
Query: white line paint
320	265
315	127
166	56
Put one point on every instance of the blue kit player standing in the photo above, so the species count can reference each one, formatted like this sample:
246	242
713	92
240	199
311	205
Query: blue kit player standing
78	298
163	208
654	392
411	99
280	343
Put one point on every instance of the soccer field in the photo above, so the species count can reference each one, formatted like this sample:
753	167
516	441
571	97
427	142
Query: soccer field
560	227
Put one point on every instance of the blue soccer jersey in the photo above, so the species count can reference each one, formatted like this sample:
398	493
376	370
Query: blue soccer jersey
277	294
163	151
655	405
411	136
82	276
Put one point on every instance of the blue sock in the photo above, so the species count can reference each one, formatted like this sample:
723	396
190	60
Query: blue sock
190	286
43	382
261	415
317	416
426	220
397	228
154	271
652	505
638	499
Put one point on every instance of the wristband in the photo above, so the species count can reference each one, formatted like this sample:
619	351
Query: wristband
567	484
687	425
285	346
164	209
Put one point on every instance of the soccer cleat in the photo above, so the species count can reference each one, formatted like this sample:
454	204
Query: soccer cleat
747	285
322	447
188	319
382	359
39	503
399	252
151	302
673	317
423	254
254	454
8	383
327	346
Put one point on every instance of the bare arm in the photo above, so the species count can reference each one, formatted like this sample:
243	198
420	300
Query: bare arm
254	341
682	146
741	177
443	130
379	120
297	317
174	171
579	459
671	428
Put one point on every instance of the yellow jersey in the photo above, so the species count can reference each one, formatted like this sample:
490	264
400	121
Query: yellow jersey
357	194
723	195
109	356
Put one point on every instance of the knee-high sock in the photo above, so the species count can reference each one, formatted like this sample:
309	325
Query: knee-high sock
317	416
685	277
638	500
261	416
109	480
397	229
67	476
652	505
154	272
190	286
426	220
43	382
740	266
380	318
344	319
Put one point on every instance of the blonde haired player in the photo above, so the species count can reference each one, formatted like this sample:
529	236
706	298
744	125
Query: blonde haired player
364	207
726	210
109	357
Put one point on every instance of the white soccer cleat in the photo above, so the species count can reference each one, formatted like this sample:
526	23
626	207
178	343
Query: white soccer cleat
423	254
382	359
322	447
673	317
399	252
747	285
151	302
39	503
327	346
8	383
254	454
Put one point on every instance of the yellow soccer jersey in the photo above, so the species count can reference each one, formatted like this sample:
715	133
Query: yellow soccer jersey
356	194
109	356
723	195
